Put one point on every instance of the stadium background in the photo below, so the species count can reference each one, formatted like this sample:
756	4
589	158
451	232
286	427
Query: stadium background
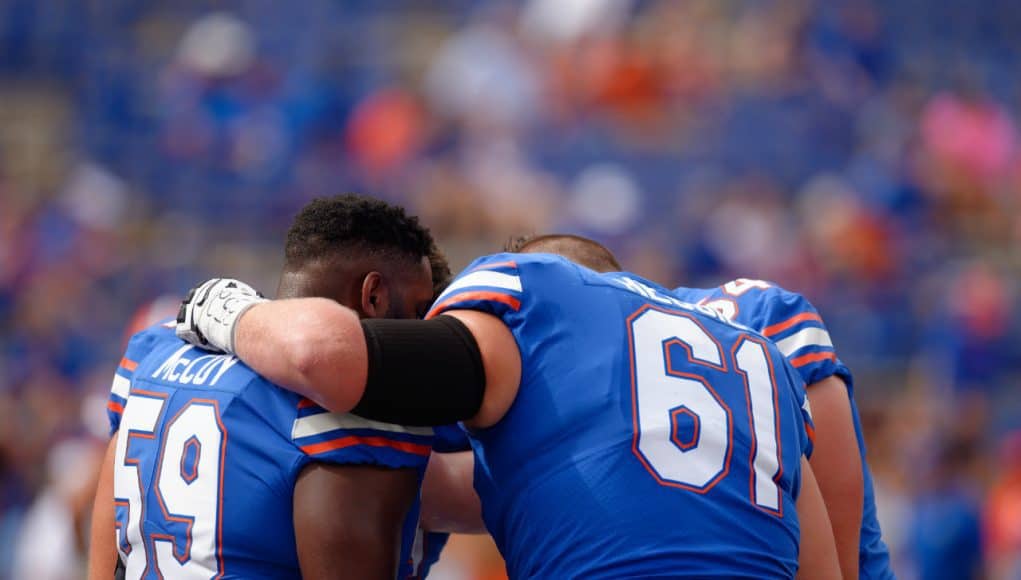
863	153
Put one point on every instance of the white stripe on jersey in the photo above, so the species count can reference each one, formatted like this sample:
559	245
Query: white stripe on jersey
483	278
418	550
806	337
121	386
324	422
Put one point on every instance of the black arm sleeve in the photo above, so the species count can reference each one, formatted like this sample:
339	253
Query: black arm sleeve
421	372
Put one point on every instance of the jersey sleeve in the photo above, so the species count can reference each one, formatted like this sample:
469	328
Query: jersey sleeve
343	438
451	439
526	291
138	347
119	390
491	284
792	322
796	385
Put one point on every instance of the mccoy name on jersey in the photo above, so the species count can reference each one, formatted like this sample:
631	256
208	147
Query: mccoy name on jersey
207	457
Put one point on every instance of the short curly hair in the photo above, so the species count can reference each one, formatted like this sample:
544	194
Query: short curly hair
353	223
440	270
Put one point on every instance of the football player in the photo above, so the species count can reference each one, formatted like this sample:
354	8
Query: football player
838	461
839	464
618	431
215	471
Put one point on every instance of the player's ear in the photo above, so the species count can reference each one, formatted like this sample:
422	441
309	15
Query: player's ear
375	295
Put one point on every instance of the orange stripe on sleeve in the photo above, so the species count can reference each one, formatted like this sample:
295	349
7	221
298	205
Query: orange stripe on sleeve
477	295
811	432
351	440
495	265
115	407
306	403
811	358
128	364
797	318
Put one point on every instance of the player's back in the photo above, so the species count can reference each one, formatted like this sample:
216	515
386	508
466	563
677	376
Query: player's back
791	321
647	438
207	457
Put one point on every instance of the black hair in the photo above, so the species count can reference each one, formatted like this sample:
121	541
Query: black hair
440	271
584	251
349	224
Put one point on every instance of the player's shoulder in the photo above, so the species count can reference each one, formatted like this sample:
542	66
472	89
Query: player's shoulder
760	304
157	355
767	295
138	352
505	283
144	341
515	259
156	359
530	264
784	316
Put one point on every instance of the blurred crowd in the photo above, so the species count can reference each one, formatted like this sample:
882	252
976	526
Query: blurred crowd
866	154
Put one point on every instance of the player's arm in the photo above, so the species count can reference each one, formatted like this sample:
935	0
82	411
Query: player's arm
790	320
817	554
464	365
302	344
836	462
449	501
348	518
102	538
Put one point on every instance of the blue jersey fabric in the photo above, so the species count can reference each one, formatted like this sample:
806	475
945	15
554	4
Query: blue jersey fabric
794	324
204	430
429	545
568	486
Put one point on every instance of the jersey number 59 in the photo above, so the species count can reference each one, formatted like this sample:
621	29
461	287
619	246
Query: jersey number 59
180	466
665	394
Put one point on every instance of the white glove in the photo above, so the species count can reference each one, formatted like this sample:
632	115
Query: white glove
211	310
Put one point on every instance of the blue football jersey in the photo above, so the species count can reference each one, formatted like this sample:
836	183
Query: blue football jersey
648	437
794	324
207	457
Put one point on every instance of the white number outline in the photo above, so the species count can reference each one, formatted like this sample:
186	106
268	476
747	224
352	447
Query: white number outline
754	461
741	285
728	307
725	307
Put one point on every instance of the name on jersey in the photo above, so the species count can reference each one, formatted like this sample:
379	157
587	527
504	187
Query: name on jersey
203	370
646	291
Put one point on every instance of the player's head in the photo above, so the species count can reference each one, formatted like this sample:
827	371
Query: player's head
578	249
365	253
